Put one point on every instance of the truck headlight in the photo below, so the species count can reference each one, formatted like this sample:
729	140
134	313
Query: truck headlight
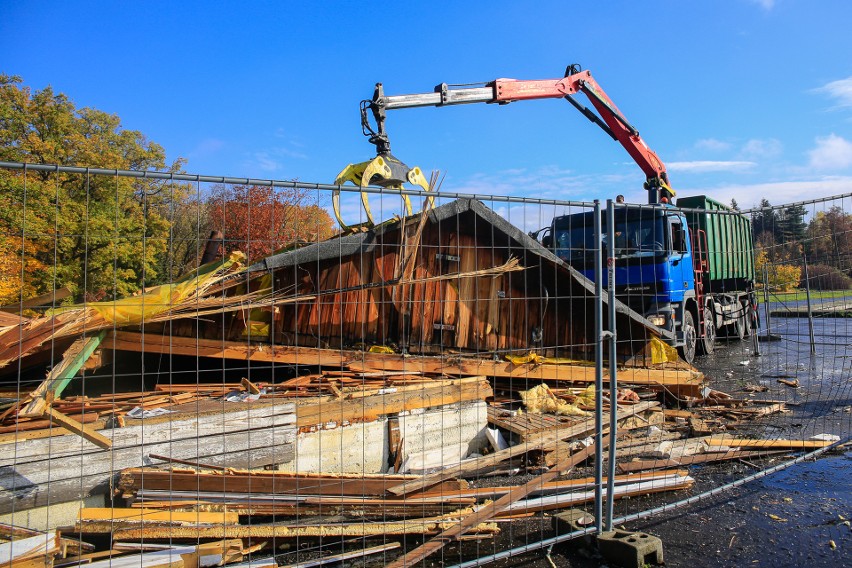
657	319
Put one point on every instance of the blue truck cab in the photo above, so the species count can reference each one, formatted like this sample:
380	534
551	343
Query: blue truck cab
654	272
689	270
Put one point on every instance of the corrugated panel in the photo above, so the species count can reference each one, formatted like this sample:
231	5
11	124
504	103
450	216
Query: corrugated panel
728	238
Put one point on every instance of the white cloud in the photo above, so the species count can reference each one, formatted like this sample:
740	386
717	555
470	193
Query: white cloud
546	182
765	4
778	193
696	166
831	153
712	145
840	90
762	148
274	159
206	147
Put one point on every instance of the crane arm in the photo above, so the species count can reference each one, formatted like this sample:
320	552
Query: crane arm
504	91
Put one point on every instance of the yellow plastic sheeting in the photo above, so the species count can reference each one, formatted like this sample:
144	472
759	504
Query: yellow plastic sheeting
533	357
257	330
541	400
160	299
661	352
259	318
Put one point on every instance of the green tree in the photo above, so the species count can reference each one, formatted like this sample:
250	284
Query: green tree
765	220
792	224
103	236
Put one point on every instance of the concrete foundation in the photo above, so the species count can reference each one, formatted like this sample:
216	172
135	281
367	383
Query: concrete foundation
49	517
431	438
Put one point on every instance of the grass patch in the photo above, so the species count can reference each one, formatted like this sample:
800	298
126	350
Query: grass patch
802	295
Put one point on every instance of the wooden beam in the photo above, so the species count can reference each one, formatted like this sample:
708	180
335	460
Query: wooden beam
492	509
342	530
367	408
684	381
75	427
59	377
768	444
94	519
355	554
241	351
706	457
582	428
48	299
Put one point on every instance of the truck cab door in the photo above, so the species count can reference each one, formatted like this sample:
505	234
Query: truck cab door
680	259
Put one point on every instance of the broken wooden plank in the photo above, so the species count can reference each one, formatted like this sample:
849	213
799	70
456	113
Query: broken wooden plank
583	428
492	509
59	377
545	488
133	515
706	457
563	500
769	443
348	530
684	381
76	427
139	478
355	554
40	544
392	401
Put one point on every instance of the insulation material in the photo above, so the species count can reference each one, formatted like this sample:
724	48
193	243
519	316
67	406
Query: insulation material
541	400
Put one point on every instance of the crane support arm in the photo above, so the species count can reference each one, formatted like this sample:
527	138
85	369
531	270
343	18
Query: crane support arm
504	91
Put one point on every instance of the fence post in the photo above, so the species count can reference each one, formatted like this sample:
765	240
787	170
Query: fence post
808	296
613	381
598	367
766	303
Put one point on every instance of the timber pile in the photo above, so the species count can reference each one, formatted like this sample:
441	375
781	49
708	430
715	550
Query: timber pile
177	503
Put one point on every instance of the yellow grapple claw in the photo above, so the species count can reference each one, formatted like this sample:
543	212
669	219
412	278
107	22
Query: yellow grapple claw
383	171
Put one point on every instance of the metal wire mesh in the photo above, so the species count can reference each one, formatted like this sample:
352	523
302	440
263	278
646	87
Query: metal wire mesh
186	359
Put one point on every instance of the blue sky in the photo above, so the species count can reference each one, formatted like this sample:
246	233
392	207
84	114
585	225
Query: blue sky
740	98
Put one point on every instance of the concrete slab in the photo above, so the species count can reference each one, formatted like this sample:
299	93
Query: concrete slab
364	447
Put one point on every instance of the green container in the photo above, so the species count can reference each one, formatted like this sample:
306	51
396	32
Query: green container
729	241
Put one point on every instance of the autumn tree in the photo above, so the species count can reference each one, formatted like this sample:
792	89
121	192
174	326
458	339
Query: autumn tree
259	220
830	238
103	236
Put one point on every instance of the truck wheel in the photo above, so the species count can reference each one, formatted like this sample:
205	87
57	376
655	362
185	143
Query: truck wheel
690	338
741	325
708	342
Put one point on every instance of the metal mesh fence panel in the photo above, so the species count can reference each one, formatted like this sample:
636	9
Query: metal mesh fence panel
211	366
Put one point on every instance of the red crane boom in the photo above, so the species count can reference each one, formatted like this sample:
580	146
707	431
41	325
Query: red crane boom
504	91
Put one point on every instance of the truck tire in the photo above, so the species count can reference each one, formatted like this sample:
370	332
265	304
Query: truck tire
740	327
690	338
708	342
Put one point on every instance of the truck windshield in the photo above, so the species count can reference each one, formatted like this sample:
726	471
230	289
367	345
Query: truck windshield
638	234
